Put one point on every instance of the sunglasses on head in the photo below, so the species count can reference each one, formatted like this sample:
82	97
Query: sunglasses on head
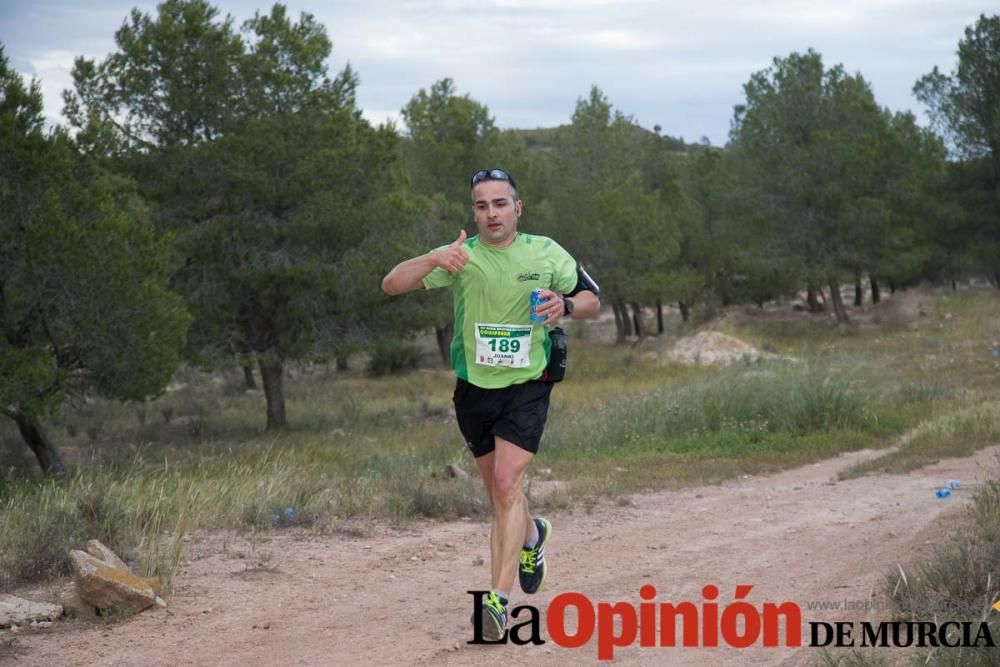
492	175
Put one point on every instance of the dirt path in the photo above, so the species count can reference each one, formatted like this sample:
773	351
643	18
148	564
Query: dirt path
399	597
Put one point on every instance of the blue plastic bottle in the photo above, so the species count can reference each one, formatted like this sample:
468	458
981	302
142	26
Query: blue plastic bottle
536	300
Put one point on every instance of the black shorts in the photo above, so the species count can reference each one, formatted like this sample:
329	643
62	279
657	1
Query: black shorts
516	413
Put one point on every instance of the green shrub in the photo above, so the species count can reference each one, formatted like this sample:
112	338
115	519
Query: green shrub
391	357
412	496
732	409
37	545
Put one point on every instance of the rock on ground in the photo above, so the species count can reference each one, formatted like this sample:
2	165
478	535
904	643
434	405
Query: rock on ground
74	605
97	549
18	611
109	587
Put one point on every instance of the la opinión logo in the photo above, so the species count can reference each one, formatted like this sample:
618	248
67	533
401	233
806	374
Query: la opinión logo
738	624
707	624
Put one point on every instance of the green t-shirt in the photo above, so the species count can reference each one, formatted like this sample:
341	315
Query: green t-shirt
495	344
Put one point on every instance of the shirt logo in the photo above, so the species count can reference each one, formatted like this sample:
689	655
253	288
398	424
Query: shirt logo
524	277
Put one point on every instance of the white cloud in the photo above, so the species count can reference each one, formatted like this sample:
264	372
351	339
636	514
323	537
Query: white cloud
53	61
611	40
801	14
54	71
447	40
380	116
621	40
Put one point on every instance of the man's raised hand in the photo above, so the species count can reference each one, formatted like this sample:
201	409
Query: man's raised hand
452	258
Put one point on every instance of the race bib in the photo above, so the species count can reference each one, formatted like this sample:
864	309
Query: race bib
503	345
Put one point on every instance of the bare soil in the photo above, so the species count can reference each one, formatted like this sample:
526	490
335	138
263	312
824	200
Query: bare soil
399	596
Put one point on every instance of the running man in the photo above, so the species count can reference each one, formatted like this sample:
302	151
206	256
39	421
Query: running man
499	357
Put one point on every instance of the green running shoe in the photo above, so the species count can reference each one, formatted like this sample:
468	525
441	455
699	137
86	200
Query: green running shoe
493	617
531	573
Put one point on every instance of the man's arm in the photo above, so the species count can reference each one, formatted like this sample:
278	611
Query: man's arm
578	303
409	275
585	304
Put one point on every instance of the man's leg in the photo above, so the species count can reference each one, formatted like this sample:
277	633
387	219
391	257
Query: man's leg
486	464
499	469
511	521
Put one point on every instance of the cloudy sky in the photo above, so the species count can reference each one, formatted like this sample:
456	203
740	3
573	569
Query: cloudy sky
680	65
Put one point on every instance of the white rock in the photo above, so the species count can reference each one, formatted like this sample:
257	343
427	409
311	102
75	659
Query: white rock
96	549
453	470
15	611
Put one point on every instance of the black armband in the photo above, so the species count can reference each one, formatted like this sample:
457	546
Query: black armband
584	282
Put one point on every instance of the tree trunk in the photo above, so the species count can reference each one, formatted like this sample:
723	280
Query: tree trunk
626	320
811	300
640	326
444	335
619	325
659	317
838	304
271	376
248	377
954	285
38	441
685	310
876	294
892	287
342	362
859	293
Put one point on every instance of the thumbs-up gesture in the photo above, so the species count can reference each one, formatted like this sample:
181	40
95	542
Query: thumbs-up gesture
453	257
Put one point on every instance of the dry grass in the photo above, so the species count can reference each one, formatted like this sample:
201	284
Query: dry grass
960	583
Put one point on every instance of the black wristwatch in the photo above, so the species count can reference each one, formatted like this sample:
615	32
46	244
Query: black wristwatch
567	307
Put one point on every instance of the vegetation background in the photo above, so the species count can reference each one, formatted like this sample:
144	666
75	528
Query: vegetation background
218	213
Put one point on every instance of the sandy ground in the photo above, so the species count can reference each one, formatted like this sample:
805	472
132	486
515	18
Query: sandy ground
399	597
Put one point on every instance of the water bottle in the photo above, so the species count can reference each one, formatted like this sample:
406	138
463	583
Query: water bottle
995	349
943	493
954	484
556	370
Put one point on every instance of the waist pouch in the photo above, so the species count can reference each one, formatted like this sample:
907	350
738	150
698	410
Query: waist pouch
556	370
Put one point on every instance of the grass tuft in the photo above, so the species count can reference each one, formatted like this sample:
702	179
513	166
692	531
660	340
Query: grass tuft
754	416
960	583
958	433
851	658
